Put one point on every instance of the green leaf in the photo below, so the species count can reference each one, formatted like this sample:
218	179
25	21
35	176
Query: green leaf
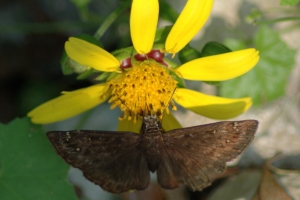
289	2
267	81
103	76
168	12
214	48
123	53
85	74
29	166
180	81
162	34
187	54
235	43
64	63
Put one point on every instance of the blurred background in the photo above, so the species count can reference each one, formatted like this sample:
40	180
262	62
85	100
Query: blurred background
32	37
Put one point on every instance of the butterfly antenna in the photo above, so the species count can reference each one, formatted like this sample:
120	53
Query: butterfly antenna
170	100
160	115
128	107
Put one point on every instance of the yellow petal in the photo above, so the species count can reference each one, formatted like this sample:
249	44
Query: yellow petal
190	21
88	54
129	125
143	22
69	104
211	106
219	67
169	122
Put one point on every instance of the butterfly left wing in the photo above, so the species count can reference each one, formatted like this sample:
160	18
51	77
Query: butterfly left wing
191	155
111	160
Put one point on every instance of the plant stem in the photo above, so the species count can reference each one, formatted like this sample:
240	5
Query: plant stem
109	20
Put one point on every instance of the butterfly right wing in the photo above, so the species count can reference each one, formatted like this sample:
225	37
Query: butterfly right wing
111	160
191	155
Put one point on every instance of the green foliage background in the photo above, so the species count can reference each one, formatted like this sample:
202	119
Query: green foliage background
267	81
29	168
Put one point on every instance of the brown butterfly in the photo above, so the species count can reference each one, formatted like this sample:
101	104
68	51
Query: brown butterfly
120	161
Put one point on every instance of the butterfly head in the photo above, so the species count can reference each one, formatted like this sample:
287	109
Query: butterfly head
151	123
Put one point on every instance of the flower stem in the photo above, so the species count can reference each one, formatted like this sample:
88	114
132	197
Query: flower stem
277	20
109	20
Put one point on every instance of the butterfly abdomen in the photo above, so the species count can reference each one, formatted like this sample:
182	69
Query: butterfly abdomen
152	143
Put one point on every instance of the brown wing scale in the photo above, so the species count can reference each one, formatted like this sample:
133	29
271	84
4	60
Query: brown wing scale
112	160
191	155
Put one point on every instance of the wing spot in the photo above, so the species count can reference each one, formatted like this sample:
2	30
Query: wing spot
228	141
77	149
68	135
235	123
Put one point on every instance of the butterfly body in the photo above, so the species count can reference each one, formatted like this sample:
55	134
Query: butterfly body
152	141
121	161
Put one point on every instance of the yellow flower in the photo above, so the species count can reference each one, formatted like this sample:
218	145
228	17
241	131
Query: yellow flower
143	83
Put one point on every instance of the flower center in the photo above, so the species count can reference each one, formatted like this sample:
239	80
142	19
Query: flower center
144	89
